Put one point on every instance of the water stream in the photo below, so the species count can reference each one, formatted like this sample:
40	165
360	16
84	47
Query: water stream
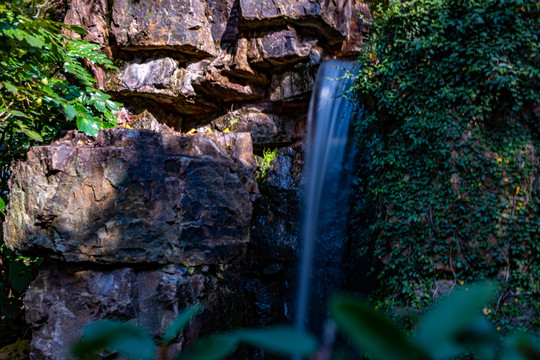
328	170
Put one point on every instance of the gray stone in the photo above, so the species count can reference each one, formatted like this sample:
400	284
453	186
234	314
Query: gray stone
154	76
276	220
134	196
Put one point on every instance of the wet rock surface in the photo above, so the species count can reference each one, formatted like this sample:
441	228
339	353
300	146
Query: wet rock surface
134	196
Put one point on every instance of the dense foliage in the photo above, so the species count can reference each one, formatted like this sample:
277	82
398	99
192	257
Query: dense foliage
44	88
451	90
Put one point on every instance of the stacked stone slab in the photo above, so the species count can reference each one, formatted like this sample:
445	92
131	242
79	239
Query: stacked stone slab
138	224
199	63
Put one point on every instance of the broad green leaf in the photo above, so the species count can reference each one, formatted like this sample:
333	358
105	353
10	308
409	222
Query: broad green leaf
283	340
69	111
32	134
126	339
2	206
114	106
11	88
215	347
14	112
454	316
34	41
99	105
87	126
370	331
79	30
180	323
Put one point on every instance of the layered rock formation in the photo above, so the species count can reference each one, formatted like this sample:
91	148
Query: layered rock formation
135	196
138	224
192	64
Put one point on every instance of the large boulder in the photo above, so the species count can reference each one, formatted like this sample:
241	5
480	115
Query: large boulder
338	22
134	196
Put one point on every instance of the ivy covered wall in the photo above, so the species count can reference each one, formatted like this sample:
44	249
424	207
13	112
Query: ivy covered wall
451	90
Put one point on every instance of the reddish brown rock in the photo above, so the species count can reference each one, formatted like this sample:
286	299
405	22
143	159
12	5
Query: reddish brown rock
330	18
231	91
134	196
223	17
91	15
176	25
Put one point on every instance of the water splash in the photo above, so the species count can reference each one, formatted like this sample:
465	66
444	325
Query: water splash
328	171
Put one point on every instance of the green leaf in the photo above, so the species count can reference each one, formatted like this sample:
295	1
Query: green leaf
2	206
283	340
14	113
112	105
87	126
180	323
34	41
11	88
522	347
79	30
370	331
439	330
32	134
69	111
280	340
215	347
126	339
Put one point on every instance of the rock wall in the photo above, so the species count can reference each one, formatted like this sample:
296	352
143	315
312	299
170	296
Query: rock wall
248	65
139	223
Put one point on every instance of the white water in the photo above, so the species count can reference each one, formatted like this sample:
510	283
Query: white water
327	169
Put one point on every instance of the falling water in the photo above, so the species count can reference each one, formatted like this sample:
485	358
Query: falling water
328	173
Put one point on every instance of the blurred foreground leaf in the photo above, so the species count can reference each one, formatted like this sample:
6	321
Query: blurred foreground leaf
371	331
126	339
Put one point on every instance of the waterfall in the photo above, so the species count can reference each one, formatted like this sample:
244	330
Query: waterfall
328	171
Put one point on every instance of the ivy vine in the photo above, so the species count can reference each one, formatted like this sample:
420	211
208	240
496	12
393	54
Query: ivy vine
451	90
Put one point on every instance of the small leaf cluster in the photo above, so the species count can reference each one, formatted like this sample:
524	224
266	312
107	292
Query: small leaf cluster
44	82
451	93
